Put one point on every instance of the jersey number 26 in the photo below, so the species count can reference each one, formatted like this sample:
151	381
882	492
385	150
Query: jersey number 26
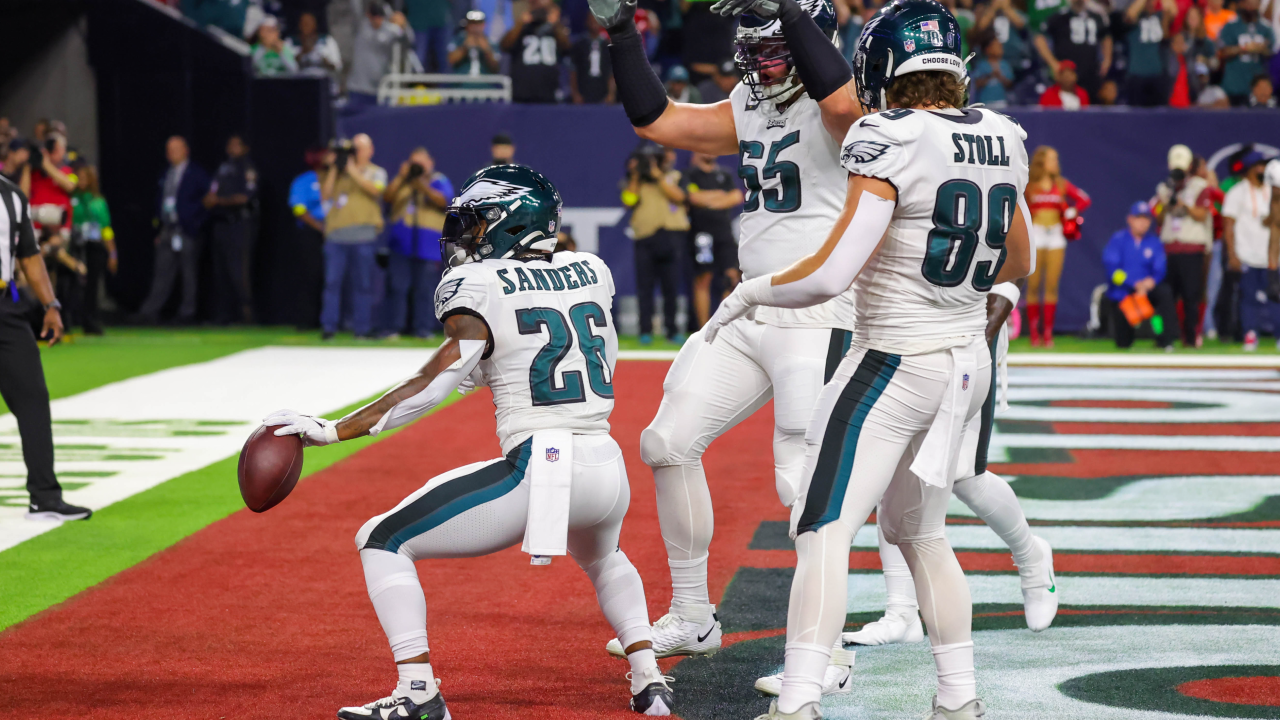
542	373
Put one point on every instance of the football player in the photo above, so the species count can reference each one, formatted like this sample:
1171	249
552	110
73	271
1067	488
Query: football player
535	327
784	122
932	220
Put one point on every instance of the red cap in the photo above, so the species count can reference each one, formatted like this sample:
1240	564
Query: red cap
1067	65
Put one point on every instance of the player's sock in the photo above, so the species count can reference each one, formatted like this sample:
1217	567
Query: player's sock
398	600
901	589
641	660
689	582
687	522
815	613
805	670
994	502
956	684
417	682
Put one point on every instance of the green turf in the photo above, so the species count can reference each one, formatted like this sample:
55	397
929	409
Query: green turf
52	567
1073	344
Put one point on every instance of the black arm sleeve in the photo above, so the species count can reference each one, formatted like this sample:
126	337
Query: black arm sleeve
26	233
821	67
641	92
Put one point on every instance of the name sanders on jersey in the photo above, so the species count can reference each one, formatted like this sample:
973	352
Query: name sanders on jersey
575	275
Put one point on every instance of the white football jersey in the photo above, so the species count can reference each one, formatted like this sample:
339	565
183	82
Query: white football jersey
795	191
959	175
552	346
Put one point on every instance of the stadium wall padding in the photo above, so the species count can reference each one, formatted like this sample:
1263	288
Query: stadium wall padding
1116	155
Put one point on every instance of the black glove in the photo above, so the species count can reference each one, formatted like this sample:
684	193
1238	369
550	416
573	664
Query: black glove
613	15
763	9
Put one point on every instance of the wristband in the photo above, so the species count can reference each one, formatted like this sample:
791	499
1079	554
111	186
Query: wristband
643	96
55	305
331	433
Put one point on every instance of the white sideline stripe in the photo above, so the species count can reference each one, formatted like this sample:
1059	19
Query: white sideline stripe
1074	359
243	387
1170	498
867	591
1110	539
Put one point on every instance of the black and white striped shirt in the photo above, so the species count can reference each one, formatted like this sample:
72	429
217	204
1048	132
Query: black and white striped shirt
15	228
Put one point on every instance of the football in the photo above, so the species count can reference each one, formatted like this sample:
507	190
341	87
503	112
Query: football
269	468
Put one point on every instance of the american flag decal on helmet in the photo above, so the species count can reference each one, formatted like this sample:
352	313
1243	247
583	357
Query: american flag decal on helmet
929	26
553	454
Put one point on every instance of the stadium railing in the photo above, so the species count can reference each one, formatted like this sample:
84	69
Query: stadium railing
437	88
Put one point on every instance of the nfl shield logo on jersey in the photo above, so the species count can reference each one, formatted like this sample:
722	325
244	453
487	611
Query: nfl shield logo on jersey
553	454
964	385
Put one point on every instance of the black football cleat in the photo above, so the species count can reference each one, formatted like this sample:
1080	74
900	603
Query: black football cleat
656	698
398	707
57	510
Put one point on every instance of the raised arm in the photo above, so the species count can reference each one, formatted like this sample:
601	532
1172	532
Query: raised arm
467	336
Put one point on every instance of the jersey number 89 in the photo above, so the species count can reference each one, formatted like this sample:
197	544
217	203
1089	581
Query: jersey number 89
953	241
542	373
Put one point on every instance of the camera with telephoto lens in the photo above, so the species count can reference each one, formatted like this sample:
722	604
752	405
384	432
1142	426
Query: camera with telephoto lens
415	171
647	158
342	152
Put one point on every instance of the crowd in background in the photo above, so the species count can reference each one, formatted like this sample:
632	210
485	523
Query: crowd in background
1063	54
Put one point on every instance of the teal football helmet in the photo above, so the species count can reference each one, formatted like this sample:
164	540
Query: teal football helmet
905	36
502	211
758	43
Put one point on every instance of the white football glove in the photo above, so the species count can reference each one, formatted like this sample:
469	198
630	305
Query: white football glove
313	430
731	308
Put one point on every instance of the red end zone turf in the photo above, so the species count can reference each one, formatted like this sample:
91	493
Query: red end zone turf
267	615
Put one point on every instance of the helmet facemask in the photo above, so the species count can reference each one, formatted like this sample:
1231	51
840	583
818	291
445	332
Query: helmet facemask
759	55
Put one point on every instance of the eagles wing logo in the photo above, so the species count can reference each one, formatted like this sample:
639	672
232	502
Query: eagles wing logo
446	291
488	191
863	151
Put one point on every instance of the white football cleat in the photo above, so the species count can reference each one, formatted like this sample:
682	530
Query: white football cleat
808	711
838	680
975	709
1039	588
654	697
895	627
673	635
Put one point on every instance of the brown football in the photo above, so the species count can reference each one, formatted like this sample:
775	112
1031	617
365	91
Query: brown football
269	468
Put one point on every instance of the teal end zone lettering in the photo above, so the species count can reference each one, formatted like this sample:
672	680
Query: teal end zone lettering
582	274
525	284
569	282
508	287
539	279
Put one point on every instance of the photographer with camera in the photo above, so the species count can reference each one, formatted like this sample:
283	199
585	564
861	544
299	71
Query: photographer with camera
52	183
353	188
1184	206
418	196
659	226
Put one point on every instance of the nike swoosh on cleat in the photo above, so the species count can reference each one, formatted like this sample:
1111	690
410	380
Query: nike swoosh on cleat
703	638
1053	587
844	682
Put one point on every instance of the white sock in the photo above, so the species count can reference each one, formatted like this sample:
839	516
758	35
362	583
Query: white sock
416	681
803	674
398	600
689	581
995	503
901	589
641	660
956	684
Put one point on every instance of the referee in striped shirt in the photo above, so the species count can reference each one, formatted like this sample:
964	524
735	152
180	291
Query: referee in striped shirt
21	374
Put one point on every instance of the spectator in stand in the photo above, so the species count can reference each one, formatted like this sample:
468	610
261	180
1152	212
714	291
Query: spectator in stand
92	222
850	23
678	87
316	53
1065	94
1108	94
271	55
432	21
502	150
1261	93
181	218
1244	47
1009	26
965	19
499	17
1184	206
310	209
1055	205
230	204
17	165
471	53
1211	96
52	182
991	75
536	46
659	224
718	86
591	72
708	38
713	194
1147	27
1250	250
353	188
1216	17
1135	264
371	58
417	196
1200	47
1079	35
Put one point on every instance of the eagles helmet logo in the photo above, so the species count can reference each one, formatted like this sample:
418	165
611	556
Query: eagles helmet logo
488	190
863	151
